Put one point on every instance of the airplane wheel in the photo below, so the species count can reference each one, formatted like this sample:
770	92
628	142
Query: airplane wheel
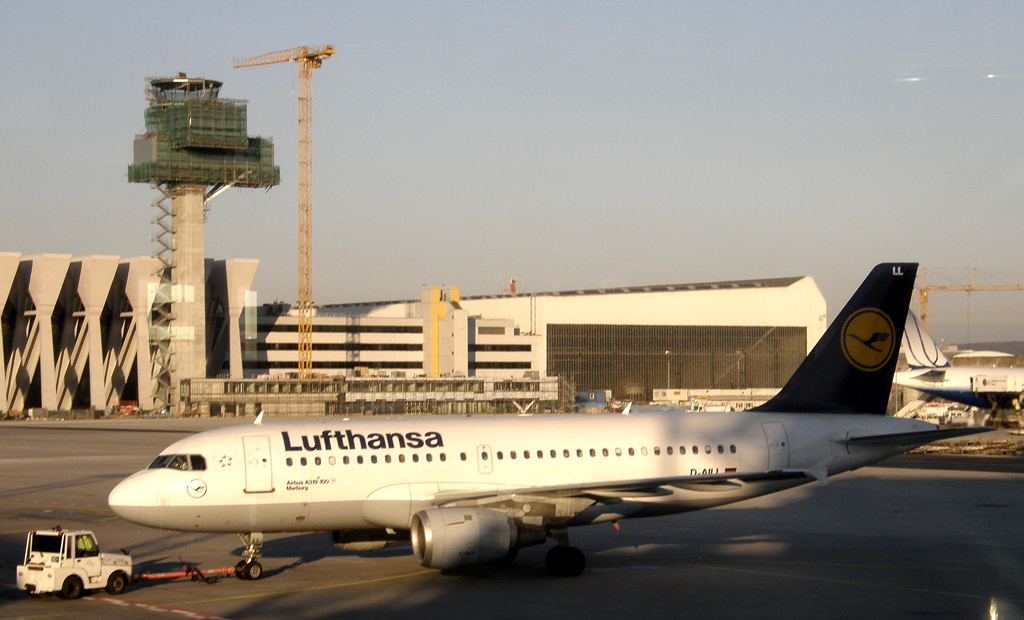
239	568
565	561
252	570
117	583
72	588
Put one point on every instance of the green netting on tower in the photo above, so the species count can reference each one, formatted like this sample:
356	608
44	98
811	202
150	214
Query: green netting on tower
195	138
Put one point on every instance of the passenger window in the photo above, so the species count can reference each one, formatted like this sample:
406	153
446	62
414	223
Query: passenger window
303	461
359	459
387	458
579	452
604	451
429	457
316	460
707	449
332	461
512	455
657	451
401	458
593	452
668	450
500	455
462	456
631	453
565	453
695	450
442	457
732	449
345	460
415	458
643	451
721	450
373	459
526	454
288	461
618	451
540	454
554	454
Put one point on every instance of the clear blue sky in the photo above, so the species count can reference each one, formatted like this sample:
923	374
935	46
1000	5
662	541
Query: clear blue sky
569	145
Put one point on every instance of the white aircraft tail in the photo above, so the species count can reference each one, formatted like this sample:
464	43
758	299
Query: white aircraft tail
921	350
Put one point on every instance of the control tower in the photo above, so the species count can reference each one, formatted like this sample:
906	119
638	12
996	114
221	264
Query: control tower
195	146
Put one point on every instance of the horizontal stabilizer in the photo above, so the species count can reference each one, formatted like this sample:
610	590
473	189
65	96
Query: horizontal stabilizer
911	440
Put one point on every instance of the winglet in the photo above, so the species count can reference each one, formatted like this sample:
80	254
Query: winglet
259	419
625	410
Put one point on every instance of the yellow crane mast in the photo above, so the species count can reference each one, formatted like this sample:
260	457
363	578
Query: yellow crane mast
307	60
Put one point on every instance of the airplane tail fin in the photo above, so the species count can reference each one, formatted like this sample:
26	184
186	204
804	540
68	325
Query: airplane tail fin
851	367
921	349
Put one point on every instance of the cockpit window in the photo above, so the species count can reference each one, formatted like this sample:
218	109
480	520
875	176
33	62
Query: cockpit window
182	462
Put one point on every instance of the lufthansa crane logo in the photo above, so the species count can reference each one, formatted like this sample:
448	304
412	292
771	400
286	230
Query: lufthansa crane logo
868	339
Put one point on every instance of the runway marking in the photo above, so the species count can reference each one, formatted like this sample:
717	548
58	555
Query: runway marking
183	612
313	589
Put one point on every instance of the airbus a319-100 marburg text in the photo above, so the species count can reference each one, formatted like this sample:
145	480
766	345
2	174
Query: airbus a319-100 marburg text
469	491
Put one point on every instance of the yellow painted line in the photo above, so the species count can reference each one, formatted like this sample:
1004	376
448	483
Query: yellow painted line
335	586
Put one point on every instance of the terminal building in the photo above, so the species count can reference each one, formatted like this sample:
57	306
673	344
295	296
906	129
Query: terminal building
78	333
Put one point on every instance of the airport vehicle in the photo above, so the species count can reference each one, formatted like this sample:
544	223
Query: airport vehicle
470	491
70	562
932	373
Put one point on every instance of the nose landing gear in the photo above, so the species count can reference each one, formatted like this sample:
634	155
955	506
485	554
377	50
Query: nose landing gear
249	567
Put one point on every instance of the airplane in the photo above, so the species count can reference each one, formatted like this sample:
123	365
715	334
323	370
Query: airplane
930	372
475	490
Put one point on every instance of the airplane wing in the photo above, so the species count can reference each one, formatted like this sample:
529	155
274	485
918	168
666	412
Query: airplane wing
716	482
623	488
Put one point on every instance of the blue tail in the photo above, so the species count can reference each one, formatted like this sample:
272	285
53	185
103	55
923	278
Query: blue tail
850	369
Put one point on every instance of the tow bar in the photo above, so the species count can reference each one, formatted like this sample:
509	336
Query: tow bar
187	570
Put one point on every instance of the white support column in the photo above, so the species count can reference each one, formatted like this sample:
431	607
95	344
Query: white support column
46	273
93	289
8	268
240	274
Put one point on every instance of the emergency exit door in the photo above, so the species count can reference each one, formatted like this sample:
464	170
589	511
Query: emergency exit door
778	445
258	471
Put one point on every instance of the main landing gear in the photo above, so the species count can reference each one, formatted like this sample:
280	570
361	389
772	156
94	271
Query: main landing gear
563	560
249	567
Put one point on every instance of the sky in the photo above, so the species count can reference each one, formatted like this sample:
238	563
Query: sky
568	145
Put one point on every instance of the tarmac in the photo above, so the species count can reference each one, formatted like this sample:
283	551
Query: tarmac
919	536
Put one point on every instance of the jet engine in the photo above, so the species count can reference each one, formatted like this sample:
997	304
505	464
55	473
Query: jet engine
448	538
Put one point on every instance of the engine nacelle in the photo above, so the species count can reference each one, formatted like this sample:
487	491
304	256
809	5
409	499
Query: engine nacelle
454	537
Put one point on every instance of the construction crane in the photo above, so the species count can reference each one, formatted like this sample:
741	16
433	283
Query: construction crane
925	288
307	60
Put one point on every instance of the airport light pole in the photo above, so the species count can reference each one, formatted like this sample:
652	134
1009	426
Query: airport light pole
668	370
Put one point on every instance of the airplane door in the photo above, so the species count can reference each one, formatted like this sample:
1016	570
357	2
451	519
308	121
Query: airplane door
258	471
778	445
484	458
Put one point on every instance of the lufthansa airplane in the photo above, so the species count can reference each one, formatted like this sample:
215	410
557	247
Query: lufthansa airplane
470	491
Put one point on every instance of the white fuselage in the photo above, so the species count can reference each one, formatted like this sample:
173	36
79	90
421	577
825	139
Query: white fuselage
374	473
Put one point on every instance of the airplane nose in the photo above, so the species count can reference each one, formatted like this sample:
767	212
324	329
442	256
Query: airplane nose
126	498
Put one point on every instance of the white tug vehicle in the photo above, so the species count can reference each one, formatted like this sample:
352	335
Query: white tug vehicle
70	562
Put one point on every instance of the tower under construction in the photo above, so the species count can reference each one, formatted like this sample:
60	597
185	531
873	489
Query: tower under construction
195	146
